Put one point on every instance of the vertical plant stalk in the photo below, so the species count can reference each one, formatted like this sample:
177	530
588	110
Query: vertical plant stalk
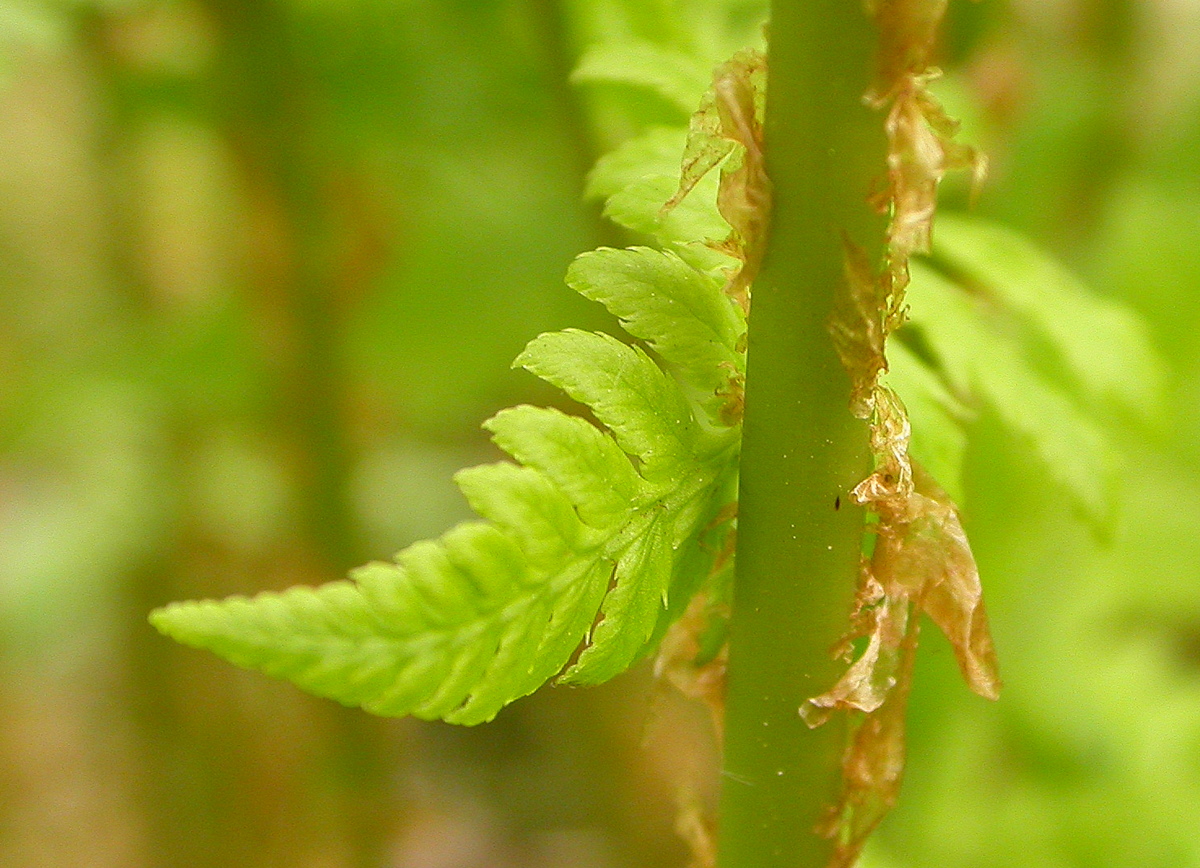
799	534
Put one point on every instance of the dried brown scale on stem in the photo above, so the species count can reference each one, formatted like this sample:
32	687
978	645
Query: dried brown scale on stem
873	764
920	134
689	656
681	659
860	326
921	561
734	393
727	131
698	673
697	829
693	658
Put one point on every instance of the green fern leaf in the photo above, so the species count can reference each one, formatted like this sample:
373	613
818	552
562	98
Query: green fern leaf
679	78
978	359
585	463
662	300
1105	347
638	206
643	407
640	176
589	523
655	152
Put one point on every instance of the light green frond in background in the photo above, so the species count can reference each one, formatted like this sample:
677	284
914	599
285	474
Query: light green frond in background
677	77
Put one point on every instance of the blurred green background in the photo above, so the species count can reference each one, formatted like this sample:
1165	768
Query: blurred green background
263	267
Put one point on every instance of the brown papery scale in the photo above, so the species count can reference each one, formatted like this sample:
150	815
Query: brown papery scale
921	561
920	134
726	131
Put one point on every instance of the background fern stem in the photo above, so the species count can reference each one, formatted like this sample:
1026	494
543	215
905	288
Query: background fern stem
799	535
272	121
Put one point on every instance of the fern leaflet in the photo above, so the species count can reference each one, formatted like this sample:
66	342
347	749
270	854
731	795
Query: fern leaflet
588	522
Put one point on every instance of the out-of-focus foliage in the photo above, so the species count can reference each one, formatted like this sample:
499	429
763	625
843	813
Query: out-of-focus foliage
263	266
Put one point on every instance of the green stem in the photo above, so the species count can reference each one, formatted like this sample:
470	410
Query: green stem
799	536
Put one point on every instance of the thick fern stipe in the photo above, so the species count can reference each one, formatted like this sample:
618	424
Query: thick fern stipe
590	544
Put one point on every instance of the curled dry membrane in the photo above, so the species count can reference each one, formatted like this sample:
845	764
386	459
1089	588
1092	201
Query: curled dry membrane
729	124
922	561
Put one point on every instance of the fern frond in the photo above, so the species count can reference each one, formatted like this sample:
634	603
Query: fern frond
589	523
978	358
585	463
637	179
638	206
1103	345
643	407
655	152
664	301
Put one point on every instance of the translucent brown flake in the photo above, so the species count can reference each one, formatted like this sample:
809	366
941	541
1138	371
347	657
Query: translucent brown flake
727	131
921	561
682	660
921	146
